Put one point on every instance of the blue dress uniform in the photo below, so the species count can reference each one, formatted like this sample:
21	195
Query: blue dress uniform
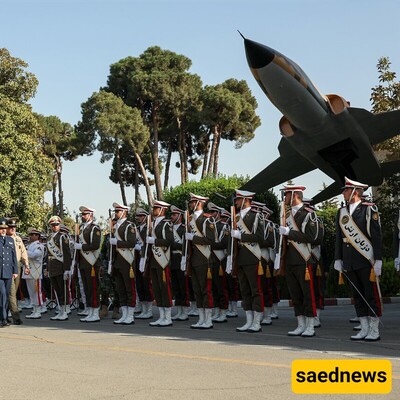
8	267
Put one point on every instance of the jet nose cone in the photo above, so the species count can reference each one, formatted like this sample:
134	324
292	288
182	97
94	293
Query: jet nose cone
257	54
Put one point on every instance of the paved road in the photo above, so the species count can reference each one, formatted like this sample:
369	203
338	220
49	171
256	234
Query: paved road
60	360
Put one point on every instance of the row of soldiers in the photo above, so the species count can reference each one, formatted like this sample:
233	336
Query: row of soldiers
160	259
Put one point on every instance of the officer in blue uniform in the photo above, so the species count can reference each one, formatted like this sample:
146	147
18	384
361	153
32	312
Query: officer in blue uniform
8	269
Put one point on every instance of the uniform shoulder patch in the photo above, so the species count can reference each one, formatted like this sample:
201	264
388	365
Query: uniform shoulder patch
375	216
97	232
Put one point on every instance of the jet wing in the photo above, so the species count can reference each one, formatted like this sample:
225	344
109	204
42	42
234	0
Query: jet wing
287	166
331	191
378	127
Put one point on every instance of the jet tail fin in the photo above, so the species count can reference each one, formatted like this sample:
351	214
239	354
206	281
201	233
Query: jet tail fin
378	127
390	168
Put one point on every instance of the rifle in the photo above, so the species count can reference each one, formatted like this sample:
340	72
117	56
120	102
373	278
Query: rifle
234	243
75	259
188	245
280	257
111	235
146	250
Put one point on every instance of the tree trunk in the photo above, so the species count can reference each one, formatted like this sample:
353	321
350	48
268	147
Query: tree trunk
137	195
205	159
154	153
54	193
139	163
118	171
182	152
60	190
213	151
216	156
167	165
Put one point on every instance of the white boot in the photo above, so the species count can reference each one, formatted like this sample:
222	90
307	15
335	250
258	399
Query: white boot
364	329
357	328
222	316
179	310
194	312
27	305
232	313
373	334
162	317
130	319
215	315
43	309
267	320
317	321
249	322
85	311
124	311
255	326
149	310
68	309
274	311
35	313
167	321
95	315
138	307
144	310
301	326
309	332
207	324
201	319
354	319
90	312
62	315
184	315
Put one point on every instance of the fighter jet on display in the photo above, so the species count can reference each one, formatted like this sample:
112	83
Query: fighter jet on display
319	131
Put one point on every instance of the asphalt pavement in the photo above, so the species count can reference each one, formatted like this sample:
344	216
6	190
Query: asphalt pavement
69	359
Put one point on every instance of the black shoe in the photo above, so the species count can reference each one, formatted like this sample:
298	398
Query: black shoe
17	322
5	323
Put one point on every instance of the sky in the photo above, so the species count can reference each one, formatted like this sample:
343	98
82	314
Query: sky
70	45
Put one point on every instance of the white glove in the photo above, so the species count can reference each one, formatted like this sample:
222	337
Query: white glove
236	234
338	265
277	262
189	236
378	267
138	247
66	275
397	264
113	241
109	269
141	265
150	240
183	264
78	246
284	230
228	264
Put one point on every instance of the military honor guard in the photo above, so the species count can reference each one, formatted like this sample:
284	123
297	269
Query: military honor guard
58	266
201	236
144	289
396	244
268	250
218	267
301	231
231	281
22	259
33	273
122	256
89	261
8	270
178	278
158	242
358	255
249	234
